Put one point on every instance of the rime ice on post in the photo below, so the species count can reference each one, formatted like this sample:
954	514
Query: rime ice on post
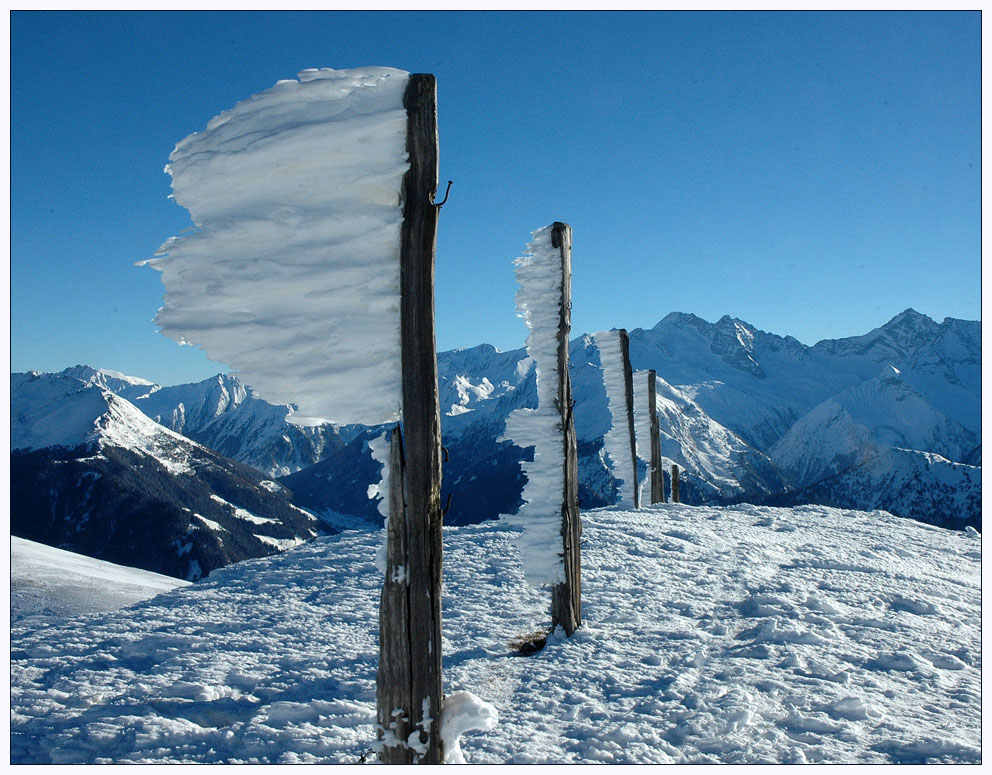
292	275
312	272
642	428
620	441
550	542
648	434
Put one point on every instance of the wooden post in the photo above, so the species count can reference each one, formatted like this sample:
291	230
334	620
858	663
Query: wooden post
566	597
409	676
657	476
675	483
628	386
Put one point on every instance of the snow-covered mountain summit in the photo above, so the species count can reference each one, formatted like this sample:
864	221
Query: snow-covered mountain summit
739	634
78	408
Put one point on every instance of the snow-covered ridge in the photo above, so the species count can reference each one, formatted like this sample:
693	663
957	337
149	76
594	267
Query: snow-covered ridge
711	635
57	410
291	280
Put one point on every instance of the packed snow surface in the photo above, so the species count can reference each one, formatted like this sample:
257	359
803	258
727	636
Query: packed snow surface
617	440
736	634
539	273
292	274
51	582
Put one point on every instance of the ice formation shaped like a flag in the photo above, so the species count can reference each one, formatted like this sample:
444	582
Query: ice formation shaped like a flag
617	440
292	275
539	304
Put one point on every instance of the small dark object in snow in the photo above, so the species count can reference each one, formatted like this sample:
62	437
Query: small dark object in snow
529	645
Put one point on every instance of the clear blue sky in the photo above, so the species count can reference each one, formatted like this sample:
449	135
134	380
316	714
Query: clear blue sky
812	174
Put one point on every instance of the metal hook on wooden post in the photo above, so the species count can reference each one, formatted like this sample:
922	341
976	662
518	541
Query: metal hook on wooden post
446	191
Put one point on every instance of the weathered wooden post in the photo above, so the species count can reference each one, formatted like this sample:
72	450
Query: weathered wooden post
408	683
628	386
675	483
657	475
566	597
618	379
549	514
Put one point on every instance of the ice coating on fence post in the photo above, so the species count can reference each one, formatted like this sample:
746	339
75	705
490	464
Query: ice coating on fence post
617	442
292	275
539	304
642	426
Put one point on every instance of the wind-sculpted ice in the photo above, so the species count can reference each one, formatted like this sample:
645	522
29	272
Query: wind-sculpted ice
292	273
539	273
642	427
617	440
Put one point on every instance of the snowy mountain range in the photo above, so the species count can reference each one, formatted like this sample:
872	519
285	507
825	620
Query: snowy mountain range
890	420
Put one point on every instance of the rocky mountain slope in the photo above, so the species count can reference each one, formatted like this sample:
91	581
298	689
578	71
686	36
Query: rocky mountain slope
92	474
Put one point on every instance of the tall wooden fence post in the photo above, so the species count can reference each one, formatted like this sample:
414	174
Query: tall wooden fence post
675	484
566	597
657	475
408	685
628	386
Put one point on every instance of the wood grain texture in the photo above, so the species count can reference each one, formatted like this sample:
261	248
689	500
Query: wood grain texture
421	675
657	475
628	386
566	597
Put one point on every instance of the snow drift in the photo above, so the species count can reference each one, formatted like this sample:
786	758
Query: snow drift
292	274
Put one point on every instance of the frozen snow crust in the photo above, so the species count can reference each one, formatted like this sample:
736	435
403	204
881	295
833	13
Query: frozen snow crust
736	634
292	275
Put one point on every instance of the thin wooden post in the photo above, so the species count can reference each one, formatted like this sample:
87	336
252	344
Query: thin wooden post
628	386
392	683
566	597
675	483
409	677
657	476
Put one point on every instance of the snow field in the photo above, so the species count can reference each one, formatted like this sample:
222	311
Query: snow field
290	280
51	582
739	634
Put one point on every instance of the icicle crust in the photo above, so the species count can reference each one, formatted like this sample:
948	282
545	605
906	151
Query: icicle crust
616	442
292	276
539	304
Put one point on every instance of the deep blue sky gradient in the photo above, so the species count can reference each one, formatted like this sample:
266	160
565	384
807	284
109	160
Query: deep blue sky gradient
811	173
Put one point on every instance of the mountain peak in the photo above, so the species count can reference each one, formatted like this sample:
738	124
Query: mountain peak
100	376
911	318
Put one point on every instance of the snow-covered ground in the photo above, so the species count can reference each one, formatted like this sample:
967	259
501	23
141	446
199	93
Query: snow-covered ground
46	581
739	634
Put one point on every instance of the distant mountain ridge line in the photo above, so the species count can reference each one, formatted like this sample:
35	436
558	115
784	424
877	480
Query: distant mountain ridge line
729	395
